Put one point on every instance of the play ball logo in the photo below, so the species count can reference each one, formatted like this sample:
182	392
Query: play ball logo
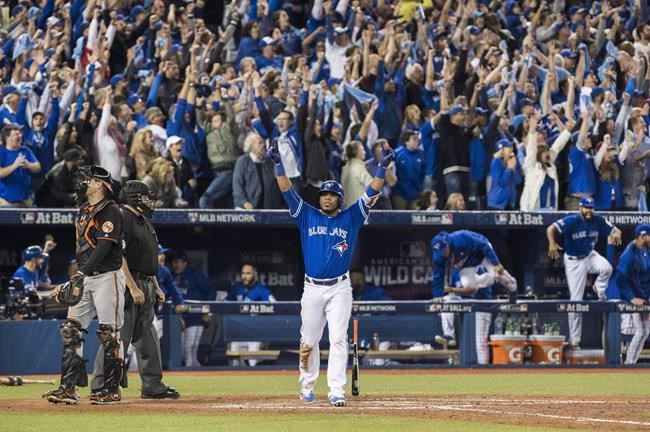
553	355
514	354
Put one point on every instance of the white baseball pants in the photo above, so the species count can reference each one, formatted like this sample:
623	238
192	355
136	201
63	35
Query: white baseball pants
483	321
447	318
641	333
576	277
191	340
470	278
320	305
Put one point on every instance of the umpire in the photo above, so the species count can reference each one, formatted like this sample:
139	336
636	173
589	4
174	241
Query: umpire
140	268
97	289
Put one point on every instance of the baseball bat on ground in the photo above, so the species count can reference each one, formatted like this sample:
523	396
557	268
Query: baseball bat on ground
13	381
355	357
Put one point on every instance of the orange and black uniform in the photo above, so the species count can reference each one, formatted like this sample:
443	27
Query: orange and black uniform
99	238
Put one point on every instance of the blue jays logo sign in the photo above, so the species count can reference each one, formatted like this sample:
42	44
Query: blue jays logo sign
341	247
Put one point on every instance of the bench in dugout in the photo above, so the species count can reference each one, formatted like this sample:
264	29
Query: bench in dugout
274	331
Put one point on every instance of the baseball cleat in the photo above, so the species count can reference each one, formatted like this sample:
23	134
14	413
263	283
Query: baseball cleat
308	398
445	340
338	401
61	395
107	397
168	393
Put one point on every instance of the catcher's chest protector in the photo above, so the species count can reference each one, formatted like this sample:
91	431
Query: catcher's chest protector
86	228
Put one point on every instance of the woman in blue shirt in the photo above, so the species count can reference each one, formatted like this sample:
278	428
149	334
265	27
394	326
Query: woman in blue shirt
506	175
249	45
609	195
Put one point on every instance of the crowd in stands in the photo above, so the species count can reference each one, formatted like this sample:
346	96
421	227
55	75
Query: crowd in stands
517	104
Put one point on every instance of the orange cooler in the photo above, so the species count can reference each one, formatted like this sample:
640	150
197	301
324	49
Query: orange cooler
507	349
547	349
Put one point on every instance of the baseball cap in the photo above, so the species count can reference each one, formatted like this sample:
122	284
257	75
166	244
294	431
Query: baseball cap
587	202
162	250
473	30
503	143
477	14
340	30
16	10
133	99
135	11
642	229
173	140
120	17
180	254
438	244
525	102
117	78
456	109
266	41
481	111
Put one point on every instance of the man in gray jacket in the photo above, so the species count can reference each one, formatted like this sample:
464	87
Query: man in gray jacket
253	183
221	139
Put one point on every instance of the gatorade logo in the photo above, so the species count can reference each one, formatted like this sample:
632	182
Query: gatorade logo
514	354
553	355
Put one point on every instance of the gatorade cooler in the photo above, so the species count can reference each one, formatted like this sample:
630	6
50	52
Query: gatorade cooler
507	349
582	356
547	349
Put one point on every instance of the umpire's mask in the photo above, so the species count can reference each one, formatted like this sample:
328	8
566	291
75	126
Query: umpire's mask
138	195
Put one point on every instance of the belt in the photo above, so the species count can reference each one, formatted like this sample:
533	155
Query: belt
141	276
576	258
325	282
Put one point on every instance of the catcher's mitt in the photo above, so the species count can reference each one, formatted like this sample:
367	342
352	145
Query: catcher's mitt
70	293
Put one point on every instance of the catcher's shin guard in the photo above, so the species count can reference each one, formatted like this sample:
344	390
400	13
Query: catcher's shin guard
73	371
113	363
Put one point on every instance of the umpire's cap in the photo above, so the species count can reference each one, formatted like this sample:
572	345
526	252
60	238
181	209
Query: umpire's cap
32	252
587	202
438	244
333	187
642	229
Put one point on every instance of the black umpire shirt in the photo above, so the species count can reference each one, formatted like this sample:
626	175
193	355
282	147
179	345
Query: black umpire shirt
102	231
140	243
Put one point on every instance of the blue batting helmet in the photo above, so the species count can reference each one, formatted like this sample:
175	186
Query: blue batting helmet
333	187
32	252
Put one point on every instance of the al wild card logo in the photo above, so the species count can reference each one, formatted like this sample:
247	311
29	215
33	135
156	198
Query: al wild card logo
341	247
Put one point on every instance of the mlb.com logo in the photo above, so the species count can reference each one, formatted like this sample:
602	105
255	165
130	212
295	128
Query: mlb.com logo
501	219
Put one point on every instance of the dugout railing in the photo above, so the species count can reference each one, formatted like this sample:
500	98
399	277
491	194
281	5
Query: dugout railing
395	321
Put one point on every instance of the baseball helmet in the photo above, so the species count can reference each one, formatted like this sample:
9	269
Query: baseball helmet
32	252
137	194
333	187
91	172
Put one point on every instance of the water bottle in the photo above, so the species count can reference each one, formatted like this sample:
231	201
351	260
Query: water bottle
535	325
516	327
556	329
509	327
375	341
498	325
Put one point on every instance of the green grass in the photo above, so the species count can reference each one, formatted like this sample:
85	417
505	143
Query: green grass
490	383
104	422
494	383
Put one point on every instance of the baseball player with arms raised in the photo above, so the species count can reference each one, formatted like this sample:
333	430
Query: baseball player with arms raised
633	281
328	236
478	267
97	290
580	232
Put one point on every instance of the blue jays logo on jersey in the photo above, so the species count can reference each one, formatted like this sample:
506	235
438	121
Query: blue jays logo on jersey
341	247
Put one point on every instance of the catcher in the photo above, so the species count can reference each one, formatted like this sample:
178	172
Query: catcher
97	289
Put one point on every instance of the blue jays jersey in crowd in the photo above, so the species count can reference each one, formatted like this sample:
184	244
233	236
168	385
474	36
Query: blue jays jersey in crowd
328	242
30	279
466	249
580	235
257	292
633	273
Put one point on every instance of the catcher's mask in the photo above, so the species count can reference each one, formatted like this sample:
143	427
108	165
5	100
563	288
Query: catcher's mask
91	172
138	195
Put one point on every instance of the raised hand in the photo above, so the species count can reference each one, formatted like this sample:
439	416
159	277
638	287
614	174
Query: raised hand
387	156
